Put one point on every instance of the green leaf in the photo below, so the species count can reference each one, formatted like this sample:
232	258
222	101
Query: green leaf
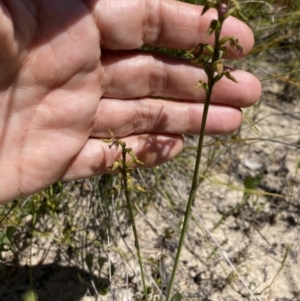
30	295
10	232
3	239
101	262
112	269
177	297
103	292
89	260
81	280
252	182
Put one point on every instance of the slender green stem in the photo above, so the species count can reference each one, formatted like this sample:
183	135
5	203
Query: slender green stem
194	185
129	206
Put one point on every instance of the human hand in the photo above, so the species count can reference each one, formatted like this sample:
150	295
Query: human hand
60	95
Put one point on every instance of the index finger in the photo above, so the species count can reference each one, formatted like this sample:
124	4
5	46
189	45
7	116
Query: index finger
129	24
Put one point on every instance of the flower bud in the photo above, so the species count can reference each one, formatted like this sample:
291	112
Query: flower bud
223	7
218	66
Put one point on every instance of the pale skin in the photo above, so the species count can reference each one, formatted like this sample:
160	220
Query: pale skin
70	70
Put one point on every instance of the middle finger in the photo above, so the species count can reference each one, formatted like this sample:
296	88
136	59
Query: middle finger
135	74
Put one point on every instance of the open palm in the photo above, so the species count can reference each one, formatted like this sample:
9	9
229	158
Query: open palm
59	94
